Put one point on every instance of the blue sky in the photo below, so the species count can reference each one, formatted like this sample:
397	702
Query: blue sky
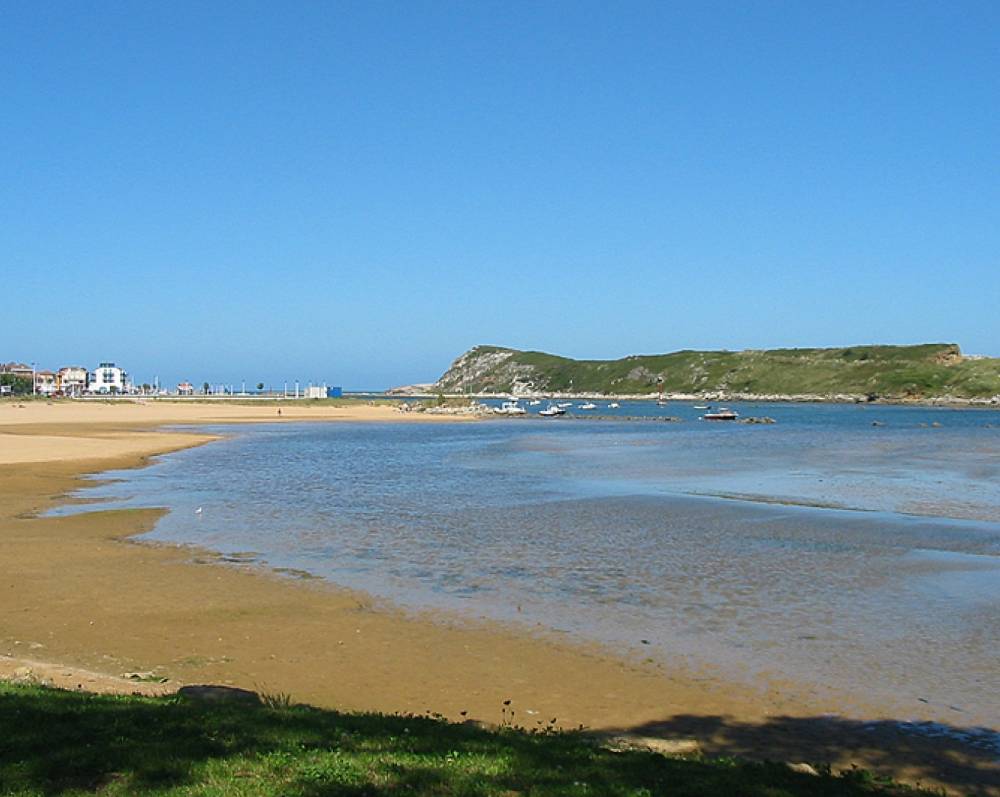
357	192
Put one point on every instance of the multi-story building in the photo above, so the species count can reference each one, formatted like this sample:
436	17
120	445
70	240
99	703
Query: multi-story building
16	378
71	380
45	383
108	378
17	369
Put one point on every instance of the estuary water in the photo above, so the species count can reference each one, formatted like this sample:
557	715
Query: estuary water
852	548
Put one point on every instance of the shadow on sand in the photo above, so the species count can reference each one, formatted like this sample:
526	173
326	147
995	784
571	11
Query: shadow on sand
966	760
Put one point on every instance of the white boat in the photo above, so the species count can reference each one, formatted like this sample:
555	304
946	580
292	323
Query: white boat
552	411
510	408
534	402
590	405
703	406
721	414
564	405
614	405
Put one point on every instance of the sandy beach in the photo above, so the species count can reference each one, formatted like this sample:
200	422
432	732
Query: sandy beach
79	595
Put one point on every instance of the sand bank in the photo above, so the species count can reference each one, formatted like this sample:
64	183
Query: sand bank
64	431
125	413
75	592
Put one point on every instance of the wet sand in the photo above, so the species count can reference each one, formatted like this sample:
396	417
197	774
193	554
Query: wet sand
77	593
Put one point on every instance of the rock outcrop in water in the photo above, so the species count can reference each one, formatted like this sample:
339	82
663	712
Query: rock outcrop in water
928	372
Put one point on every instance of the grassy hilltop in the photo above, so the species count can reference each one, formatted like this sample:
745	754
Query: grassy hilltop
928	371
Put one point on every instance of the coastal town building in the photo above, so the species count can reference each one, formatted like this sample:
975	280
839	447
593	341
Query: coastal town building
71	380
45	383
322	392
16	379
17	369
108	378
185	389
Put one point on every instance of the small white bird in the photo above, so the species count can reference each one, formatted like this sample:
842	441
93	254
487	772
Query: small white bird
198	511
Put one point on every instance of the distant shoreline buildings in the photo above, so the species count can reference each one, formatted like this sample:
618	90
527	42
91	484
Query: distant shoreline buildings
70	380
109	379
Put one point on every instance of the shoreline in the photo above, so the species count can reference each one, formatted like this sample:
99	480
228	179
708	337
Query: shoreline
944	402
88	601
390	399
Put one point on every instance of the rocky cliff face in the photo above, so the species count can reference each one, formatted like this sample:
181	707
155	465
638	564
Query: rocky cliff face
488	369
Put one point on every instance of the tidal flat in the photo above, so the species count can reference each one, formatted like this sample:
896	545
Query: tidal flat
849	554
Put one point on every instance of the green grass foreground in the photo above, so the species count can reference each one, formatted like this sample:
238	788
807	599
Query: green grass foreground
65	743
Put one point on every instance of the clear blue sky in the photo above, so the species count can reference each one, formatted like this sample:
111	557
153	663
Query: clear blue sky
357	192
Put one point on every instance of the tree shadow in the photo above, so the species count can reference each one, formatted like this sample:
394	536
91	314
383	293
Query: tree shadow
54	742
935	754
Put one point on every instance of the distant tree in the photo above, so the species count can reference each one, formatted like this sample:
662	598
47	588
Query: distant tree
205	388
147	388
260	386
19	385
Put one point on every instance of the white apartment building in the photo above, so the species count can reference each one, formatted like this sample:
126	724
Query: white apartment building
108	378
45	383
71	380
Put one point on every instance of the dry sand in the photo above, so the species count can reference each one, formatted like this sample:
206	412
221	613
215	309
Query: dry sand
76	594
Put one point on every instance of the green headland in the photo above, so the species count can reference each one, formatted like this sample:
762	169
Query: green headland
926	372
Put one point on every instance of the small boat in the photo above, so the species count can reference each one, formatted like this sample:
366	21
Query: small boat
614	405
721	414
510	408
703	406
565	405
661	402
534	402
590	405
552	411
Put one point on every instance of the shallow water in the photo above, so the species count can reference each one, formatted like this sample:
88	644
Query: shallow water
615	530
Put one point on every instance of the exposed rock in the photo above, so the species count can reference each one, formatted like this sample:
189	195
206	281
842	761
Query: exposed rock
628	741
804	769
641	374
951	356
150	677
422	389
220	694
478	367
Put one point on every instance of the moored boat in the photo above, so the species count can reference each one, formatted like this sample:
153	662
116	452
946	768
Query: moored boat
721	414
510	408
